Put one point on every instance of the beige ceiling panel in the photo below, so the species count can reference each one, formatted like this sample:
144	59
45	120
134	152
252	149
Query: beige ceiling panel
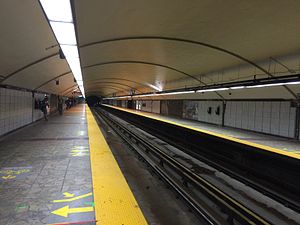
112	85
106	91
253	29
64	83
38	73
69	91
141	74
195	37
25	35
187	57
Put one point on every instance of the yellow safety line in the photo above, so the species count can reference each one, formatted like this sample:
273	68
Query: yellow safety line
114	201
262	147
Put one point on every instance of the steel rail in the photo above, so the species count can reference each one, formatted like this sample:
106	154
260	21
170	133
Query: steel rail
232	163
235	209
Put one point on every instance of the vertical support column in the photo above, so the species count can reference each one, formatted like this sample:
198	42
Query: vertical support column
32	107
223	113
297	120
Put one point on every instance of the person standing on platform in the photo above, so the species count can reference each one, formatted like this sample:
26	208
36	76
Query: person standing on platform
44	107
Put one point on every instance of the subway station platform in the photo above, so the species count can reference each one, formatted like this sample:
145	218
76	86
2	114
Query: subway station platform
281	145
62	171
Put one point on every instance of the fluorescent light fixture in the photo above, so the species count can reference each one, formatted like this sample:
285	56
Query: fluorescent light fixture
237	87
155	87
80	82
212	89
178	93
265	85
75	67
273	84
295	82
70	51
60	17
155	94
64	32
56	10
208	90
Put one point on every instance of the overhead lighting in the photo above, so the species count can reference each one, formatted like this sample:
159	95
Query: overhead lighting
265	85
178	93
153	95
273	84
212	89
247	84
295	82
57	10
237	87
80	83
64	32
60	17
155	87
70	51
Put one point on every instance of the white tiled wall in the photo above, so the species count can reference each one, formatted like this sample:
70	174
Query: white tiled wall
148	106
156	107
15	109
204	116
272	117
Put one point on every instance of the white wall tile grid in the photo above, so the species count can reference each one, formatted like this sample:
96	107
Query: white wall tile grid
15	109
271	117
213	117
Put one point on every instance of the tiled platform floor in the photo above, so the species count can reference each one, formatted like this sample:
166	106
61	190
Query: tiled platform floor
44	162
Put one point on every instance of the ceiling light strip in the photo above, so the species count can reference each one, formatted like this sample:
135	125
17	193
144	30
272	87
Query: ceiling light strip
204	90
60	17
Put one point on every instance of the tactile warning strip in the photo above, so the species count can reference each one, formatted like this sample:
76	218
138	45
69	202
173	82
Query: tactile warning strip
114	201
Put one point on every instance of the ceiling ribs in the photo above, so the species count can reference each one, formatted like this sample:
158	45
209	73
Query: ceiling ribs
190	42
144	63
115	78
108	82
62	92
61	75
111	86
27	66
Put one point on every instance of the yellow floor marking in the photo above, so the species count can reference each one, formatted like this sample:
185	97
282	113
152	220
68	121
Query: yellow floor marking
66	210
73	199
10	171
8	177
262	147
68	195
114	201
79	150
79	154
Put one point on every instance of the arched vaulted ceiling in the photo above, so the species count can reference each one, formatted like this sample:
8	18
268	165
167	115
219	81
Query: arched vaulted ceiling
163	42
29	50
145	46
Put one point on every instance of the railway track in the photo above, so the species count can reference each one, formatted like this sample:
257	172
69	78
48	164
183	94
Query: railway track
209	202
274	175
